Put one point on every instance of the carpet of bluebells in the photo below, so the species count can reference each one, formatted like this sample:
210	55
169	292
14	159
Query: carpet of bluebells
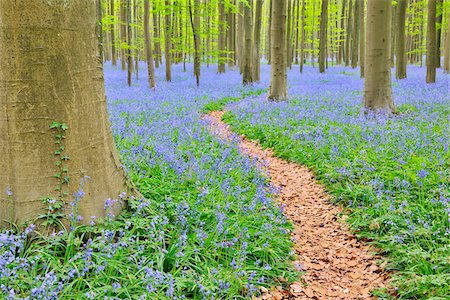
207	226
392	172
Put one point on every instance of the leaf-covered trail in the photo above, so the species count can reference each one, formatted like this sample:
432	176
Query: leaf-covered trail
336	265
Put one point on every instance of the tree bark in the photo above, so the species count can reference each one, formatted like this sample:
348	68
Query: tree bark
447	48
247	74
302	42
148	45
113	36
222	38
362	38
355	35
156	32
377	83
400	72
278	74
349	34
168	40
342	35
195	24
129	42
431	42
66	85
323	36
257	41
440	9
123	34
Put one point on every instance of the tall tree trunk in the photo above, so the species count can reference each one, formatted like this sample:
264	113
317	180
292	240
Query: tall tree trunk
362	38
323	36
447	48
269	35
288	34
400	72
241	37
123	33
148	45
100	29
349	33
296	27
431	42
195	24
377	83
257	41
231	39
355	35
302	42
168	39
222	38
247	74
129	42
113	35
278	74
156	32
342	35
65	86
440	9
393	35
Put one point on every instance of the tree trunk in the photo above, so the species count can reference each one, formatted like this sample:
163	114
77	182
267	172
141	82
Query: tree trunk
222	38
65	86
113	36
288	35
156	32
362	38
129	42
349	34
302	42
195	24
440	9
323	36
247	74
377	83
355	35
342	35
278	74
400	72
123	34
447	48
231	39
431	42
168	40
148	45
257	39
269	35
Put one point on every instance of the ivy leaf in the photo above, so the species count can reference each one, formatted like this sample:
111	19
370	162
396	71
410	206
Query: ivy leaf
54	125
64	126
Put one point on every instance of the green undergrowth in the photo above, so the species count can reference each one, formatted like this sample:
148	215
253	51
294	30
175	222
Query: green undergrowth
392	176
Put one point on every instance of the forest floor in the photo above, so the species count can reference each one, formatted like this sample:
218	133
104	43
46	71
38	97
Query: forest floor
336	264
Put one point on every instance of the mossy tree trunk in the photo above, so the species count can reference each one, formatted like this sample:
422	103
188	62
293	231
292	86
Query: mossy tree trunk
49	73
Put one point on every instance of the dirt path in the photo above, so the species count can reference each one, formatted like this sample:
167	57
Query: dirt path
336	265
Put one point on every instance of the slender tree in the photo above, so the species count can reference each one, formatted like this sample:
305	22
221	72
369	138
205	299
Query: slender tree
447	48
148	45
362	37
400	72
113	35
431	42
222	38
257	41
247	74
323	36
278	74
168	39
377	83
67	87
129	43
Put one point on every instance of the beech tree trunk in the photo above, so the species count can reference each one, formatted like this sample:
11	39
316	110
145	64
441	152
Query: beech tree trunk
195	24
440	9
377	83
349	34
247	74
168	40
323	36
342	35
222	38
278	74
113	36
148	45
302	42
65	86
431	42
156	32
362	37
447	48
400	72
123	34
355	35
257	39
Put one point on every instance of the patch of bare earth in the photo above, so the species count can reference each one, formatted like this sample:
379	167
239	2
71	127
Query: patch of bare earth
336	264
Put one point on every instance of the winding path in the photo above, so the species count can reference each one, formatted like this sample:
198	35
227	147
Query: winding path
336	264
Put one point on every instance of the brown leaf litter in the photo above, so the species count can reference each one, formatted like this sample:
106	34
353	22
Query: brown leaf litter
336	264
